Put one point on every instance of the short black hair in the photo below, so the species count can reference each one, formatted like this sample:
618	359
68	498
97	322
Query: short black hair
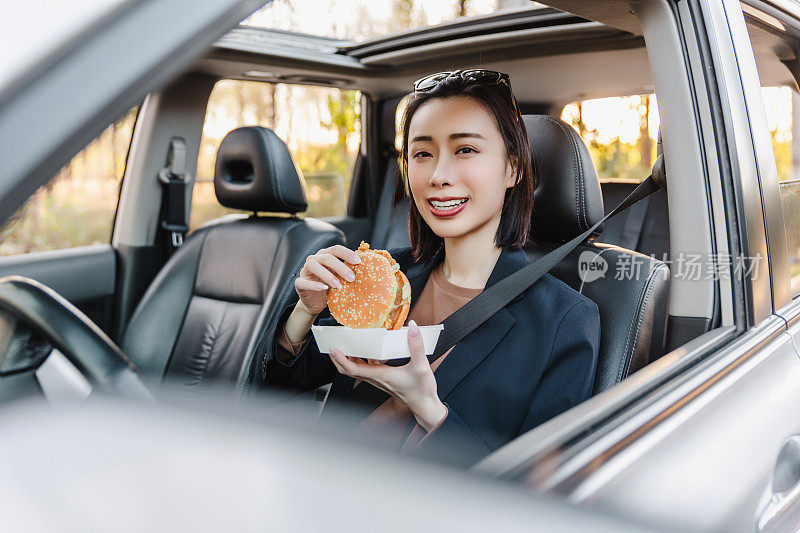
499	100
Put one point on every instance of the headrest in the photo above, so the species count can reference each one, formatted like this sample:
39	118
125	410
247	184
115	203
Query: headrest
255	172
567	199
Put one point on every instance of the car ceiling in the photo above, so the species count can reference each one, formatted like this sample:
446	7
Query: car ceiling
597	54
550	63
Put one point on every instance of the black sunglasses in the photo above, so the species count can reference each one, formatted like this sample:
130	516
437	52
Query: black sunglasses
478	76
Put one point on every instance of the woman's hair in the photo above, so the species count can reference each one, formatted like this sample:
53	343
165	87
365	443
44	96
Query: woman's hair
515	218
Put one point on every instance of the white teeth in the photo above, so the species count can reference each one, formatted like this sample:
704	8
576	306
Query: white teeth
445	205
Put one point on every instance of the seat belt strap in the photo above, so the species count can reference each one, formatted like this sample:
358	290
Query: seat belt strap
478	310
174	181
634	225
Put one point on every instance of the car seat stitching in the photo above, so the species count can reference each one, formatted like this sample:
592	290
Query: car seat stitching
260	353
599	254
273	171
198	234
651	285
574	165
217	330
581	190
579	205
640	316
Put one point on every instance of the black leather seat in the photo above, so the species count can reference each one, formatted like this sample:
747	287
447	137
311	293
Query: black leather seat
391	219
631	296
206	311
632	291
643	227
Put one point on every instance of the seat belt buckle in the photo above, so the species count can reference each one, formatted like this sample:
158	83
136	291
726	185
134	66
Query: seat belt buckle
166	176
175	170
177	232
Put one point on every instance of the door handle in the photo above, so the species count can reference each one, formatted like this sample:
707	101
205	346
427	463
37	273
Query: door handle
785	490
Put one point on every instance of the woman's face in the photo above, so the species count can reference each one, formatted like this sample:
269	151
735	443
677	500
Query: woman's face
458	169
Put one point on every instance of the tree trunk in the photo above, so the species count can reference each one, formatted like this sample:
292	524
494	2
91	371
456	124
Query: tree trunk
645	141
269	106
401	11
241	100
342	126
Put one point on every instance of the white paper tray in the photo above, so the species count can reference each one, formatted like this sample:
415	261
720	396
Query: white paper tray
373	343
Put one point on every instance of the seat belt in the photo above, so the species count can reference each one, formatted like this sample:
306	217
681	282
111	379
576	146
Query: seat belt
478	310
634	225
174	181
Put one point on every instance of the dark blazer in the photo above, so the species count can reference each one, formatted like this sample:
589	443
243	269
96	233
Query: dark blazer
529	362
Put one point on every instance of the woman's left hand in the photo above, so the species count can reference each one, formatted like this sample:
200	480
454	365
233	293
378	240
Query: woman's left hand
413	383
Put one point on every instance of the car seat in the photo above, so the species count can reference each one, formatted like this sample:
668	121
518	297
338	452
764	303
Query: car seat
203	316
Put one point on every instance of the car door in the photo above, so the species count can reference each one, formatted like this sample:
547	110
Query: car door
706	437
61	236
770	28
68	86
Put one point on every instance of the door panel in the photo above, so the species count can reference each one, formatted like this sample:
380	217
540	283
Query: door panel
85	276
709	463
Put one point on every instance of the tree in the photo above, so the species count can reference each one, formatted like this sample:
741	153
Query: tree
401	14
645	141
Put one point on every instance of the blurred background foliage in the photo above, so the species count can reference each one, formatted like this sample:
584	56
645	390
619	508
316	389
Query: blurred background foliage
320	125
77	206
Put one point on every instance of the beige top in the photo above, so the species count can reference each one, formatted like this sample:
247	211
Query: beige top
438	300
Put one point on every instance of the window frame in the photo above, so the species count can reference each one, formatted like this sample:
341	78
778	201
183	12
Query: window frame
575	445
778	251
136	109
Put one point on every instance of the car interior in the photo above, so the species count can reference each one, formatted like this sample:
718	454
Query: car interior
155	228
204	314
570	197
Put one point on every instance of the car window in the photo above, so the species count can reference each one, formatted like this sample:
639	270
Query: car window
621	133
782	107
76	207
781	104
320	125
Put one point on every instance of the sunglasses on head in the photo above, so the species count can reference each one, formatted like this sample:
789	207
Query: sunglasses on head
478	76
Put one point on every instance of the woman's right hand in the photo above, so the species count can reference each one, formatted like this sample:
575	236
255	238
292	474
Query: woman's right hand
319	273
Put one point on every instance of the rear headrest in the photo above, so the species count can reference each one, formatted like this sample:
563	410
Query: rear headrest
567	199
255	172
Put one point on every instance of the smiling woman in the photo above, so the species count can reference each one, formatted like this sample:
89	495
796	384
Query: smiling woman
486	144
466	167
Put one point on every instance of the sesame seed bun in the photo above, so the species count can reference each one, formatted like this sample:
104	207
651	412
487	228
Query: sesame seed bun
378	297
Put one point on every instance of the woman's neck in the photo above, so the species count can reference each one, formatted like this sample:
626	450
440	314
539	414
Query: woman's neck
469	259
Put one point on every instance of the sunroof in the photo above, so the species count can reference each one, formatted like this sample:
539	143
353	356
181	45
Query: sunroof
363	20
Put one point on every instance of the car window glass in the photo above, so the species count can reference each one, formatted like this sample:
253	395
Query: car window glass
782	108
76	207
320	125
781	105
620	132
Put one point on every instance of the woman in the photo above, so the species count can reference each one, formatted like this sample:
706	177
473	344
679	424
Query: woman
466	168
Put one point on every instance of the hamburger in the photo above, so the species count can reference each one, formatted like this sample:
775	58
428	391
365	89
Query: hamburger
378	297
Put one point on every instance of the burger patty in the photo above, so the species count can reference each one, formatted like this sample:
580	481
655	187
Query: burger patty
398	300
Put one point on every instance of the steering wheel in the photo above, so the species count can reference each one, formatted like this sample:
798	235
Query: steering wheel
35	319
